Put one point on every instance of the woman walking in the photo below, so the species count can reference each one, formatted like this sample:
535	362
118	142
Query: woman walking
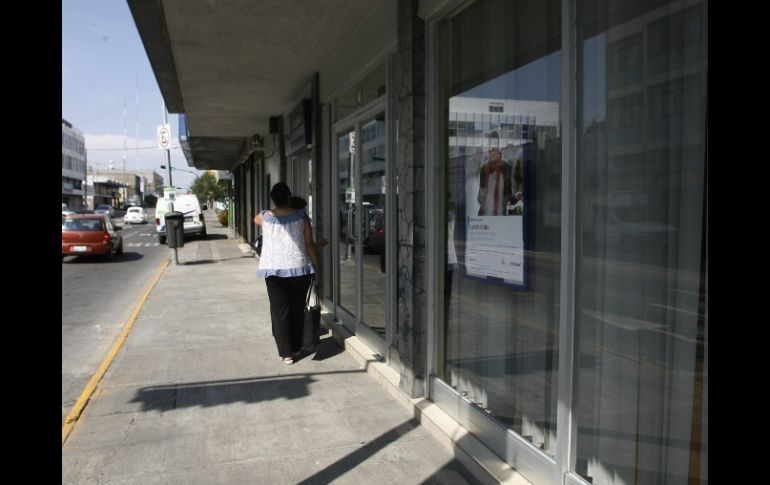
288	262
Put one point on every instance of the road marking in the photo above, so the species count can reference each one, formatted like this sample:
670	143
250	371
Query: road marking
80	404
139	245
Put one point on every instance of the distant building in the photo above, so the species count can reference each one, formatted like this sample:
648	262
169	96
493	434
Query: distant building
132	186
103	189
73	166
152	181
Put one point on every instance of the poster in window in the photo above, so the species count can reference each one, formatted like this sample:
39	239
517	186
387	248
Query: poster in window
497	217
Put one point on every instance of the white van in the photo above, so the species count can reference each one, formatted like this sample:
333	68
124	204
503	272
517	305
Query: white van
188	205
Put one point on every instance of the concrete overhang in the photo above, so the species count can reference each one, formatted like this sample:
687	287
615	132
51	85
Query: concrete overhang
231	65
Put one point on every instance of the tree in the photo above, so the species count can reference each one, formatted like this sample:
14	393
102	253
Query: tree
208	189
224	191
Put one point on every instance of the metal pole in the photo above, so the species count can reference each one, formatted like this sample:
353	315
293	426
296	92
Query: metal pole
168	151
175	257
85	186
125	188
139	200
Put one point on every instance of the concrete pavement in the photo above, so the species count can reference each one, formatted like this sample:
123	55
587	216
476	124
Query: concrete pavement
198	394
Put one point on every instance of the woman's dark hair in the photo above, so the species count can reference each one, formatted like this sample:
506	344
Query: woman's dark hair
280	194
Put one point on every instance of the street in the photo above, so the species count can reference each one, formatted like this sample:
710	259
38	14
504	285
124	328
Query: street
97	300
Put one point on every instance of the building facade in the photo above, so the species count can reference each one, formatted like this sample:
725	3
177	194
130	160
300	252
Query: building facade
73	166
129	187
151	182
104	190
515	194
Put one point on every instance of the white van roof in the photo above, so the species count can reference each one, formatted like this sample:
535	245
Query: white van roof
187	200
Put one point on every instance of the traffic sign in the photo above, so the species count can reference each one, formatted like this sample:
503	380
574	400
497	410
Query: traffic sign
164	136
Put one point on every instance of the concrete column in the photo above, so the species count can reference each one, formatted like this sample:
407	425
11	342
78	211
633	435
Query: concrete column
410	160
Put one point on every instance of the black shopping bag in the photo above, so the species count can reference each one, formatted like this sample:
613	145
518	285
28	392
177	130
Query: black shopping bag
311	326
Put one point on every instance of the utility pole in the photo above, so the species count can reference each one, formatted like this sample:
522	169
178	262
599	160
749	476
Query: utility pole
85	185
139	200
168	151
125	194
170	183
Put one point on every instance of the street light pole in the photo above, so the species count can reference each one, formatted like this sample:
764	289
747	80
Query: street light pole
196	175
168	152
170	180
123	178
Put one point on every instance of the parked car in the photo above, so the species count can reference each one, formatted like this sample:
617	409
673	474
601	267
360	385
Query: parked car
135	215
90	234
66	213
108	210
187	204
375	236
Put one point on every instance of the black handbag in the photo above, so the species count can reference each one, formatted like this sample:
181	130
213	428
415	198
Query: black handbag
258	245
311	326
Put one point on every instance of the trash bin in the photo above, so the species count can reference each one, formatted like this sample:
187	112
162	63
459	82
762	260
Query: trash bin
175	229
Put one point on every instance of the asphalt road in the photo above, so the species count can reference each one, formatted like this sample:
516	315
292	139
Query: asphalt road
97	300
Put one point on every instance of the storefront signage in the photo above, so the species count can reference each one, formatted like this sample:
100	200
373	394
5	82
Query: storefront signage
300	133
495	248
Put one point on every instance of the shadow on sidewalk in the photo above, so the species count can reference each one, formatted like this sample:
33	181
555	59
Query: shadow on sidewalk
214	261
214	393
326	349
451	473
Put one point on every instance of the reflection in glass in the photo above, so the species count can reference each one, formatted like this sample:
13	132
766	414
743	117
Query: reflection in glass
373	192
642	311
362	93
345	202
503	200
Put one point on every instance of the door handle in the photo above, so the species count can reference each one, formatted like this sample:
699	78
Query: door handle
365	227
350	222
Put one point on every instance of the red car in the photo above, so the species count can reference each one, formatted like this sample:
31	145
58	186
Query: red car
90	234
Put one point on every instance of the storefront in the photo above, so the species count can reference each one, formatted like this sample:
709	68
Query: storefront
515	199
571	261
361	163
550	286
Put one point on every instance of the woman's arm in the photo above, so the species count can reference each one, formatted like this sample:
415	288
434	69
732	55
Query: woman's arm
258	219
310	244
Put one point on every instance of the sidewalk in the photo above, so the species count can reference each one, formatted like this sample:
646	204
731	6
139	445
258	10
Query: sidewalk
199	395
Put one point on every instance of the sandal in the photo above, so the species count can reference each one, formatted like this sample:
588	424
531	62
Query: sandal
288	360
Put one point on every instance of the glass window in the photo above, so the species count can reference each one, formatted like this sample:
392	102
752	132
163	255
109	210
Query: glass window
642	250
501	93
361	94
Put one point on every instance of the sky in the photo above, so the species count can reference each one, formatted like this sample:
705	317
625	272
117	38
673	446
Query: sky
537	81
540	81
109	91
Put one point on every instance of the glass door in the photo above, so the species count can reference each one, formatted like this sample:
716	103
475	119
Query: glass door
361	154
346	205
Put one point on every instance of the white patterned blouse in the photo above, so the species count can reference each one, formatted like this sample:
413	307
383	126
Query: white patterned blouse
283	246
